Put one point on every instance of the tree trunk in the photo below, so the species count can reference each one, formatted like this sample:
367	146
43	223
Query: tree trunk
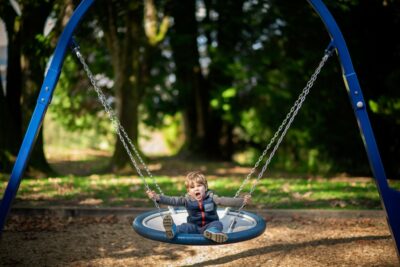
125	54
11	115
5	161
207	134
229	14
26	64
194	94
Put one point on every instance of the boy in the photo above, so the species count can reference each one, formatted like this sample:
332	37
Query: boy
201	205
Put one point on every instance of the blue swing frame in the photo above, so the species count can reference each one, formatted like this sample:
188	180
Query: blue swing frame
390	198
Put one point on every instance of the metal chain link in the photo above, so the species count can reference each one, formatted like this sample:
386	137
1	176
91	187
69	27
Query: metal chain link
264	153
287	122
119	129
285	125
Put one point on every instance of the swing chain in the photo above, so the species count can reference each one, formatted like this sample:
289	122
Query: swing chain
286	125
119	129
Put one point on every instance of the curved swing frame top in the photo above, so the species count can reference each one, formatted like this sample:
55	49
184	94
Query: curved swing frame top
389	197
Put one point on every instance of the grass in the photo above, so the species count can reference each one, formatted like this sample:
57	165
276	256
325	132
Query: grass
70	153
128	191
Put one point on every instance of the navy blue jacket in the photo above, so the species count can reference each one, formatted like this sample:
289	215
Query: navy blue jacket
202	212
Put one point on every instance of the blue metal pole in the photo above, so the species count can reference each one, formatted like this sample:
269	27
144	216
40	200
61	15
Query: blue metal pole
390	198
44	99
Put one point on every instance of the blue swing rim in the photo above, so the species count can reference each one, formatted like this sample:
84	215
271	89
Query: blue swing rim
197	239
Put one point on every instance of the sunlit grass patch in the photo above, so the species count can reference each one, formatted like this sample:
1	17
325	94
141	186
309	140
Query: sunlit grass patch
129	191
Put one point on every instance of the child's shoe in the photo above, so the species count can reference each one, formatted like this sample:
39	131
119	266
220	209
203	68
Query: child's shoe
215	235
169	226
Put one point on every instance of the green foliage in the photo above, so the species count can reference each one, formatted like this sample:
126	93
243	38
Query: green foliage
386	106
76	119
75	105
253	128
247	157
223	103
258	63
59	137
173	132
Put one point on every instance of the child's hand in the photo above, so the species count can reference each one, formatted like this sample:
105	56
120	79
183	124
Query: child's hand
246	199
152	195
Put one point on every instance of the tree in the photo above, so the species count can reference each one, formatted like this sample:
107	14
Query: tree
11	137
222	76
130	55
208	131
193	95
27	53
376	50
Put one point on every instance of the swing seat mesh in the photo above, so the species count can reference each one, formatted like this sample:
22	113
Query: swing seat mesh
248	226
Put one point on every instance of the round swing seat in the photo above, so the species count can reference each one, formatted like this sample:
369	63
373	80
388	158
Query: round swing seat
248	225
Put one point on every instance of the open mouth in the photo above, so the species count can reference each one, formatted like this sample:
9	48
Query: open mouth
197	194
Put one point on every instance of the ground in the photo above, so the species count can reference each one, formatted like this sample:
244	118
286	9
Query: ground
68	236
291	239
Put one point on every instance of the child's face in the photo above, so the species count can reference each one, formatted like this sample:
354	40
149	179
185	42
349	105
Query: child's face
197	191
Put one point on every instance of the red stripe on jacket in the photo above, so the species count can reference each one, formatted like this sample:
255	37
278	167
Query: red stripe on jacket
203	215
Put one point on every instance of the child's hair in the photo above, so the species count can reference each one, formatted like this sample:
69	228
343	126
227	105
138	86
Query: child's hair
195	177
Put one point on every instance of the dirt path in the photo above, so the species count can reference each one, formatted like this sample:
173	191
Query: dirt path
110	241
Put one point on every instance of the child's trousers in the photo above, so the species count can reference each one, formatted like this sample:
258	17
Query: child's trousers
190	228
